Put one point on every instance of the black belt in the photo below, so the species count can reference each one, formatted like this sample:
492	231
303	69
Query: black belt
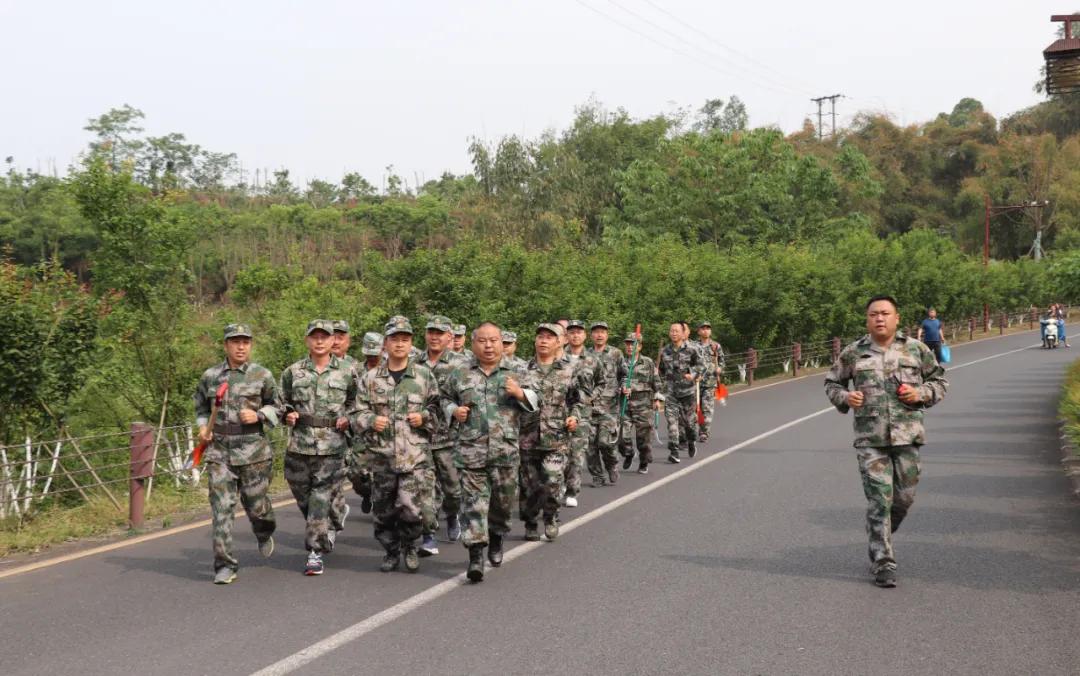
234	429
309	420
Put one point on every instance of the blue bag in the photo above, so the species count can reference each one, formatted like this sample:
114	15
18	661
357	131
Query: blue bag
946	355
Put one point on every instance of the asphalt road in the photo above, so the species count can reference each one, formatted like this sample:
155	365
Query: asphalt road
750	563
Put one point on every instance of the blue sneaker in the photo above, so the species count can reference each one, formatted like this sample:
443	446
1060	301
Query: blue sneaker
428	547
453	528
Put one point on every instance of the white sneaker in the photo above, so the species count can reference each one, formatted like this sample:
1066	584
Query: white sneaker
571	501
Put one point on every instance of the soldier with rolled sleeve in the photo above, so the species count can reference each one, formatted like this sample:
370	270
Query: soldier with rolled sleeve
487	398
397	413
895	379
318	395
238	458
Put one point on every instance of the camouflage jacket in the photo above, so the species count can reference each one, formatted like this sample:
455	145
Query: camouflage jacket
446	432
606	395
251	387
712	355
515	363
645	386
489	436
674	364
883	420
564	391
319	398
589	363
405	447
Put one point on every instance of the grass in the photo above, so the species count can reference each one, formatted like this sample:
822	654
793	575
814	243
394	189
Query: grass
1069	408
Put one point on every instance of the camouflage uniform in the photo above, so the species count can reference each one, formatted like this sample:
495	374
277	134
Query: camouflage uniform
443	481
458	330
679	394
564	392
712	355
605	434
337	501
398	456
356	468
487	448
582	437
315	457
515	363
238	460
888	432
637	422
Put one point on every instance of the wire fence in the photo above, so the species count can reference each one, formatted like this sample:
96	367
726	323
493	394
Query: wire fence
72	468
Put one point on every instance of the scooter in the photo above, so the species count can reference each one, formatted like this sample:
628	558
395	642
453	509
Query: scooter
1049	332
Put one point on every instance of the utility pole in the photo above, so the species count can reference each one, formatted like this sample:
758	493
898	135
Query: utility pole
989	210
832	101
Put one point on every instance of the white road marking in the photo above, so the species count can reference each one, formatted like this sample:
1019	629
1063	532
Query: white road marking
334	641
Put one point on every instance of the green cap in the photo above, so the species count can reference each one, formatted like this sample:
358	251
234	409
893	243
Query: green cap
372	345
705	322
509	337
557	329
237	331
631	338
398	324
575	324
341	326
320	325
598	325
439	323
459	329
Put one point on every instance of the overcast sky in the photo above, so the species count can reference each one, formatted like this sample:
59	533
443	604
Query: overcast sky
326	87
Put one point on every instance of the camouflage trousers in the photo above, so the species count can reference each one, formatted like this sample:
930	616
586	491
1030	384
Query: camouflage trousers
636	428
312	480
708	405
443	488
358	474
397	504
541	478
488	494
889	477
248	484
575	461
605	439
682	427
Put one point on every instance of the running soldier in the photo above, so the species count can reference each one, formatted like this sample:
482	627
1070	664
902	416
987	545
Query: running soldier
358	473
509	341
458	344
397	412
582	437
713	355
896	378
642	398
444	483
565	399
238	457
318	394
605	440
339	509
487	398
680	367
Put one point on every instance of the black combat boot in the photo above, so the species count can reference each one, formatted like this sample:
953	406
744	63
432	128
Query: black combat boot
475	572
391	560
495	549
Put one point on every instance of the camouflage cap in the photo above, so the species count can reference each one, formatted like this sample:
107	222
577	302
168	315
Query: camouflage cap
509	337
459	329
598	325
320	325
631	338
575	324
237	331
398	324
557	329
704	322
439	323
372	345
341	326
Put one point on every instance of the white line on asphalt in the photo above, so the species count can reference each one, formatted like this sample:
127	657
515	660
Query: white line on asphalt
366	626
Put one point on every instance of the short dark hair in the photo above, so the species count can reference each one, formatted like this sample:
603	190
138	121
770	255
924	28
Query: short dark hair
895	305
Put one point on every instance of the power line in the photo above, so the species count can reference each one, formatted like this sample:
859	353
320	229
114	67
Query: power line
820	100
716	42
759	78
676	50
